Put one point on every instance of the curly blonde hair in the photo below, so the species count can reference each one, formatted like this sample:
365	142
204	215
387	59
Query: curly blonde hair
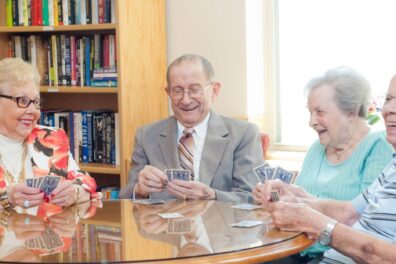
15	71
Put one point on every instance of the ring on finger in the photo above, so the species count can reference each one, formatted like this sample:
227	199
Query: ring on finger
26	203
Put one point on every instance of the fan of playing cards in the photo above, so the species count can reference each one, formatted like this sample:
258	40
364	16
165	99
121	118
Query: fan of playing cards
45	183
48	240
264	173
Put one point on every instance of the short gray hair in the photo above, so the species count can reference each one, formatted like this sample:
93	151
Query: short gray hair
351	90
15	71
206	65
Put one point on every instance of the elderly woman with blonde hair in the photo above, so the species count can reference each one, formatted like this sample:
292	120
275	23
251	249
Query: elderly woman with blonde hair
28	150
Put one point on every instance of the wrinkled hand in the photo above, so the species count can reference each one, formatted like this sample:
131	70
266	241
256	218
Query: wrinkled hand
64	194
150	180
287	192
20	192
191	190
297	217
26	226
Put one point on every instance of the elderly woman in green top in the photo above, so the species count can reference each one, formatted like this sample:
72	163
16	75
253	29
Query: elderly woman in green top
348	156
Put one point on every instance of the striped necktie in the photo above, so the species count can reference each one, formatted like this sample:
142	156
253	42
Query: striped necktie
186	151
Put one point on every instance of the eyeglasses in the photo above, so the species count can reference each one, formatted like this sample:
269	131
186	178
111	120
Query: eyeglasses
24	102
195	92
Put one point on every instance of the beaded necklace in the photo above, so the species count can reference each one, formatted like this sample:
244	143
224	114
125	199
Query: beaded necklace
21	177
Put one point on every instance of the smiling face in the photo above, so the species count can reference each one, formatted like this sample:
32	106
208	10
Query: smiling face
189	75
17	123
326	118
389	113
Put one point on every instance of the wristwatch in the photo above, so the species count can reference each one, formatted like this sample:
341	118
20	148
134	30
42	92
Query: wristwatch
325	235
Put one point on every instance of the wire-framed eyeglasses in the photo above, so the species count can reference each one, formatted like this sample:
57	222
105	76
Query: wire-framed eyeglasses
24	102
195	92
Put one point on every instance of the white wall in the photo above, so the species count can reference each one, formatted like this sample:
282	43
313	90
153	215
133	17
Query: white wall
214	29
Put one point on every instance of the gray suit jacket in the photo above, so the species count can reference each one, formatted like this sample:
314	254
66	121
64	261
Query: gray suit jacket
231	150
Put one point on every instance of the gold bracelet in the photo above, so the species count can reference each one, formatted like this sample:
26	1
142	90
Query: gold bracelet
4	200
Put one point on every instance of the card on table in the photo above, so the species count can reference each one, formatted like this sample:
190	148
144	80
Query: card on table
284	175
149	201
247	206
261	173
170	215
247	223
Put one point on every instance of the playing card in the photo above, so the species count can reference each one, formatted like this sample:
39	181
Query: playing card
247	206
269	172
149	201
274	196
260	172
49	184
29	182
169	175
179	226
170	215
40	181
283	175
51	239
183	175
247	223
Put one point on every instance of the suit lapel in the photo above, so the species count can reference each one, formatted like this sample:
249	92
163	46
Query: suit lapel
215	144
168	144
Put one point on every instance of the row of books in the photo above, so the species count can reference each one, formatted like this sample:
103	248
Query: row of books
93	134
65	59
110	192
59	12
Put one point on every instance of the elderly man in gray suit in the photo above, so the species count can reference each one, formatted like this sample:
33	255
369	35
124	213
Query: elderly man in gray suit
220	152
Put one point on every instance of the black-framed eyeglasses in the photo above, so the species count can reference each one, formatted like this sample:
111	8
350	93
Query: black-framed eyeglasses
24	102
194	92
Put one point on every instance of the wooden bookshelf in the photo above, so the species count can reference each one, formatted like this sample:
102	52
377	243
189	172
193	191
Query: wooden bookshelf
141	67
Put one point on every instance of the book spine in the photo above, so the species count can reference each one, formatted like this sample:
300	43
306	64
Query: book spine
51	12
55	12
68	60
113	8
60	13
89	138
84	141
9	17
45	14
87	60
15	18
73	57
94	12
65	12
101	11
39	12
25	12
20	12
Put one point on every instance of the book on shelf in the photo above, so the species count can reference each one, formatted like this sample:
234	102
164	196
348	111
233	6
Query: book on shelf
58	12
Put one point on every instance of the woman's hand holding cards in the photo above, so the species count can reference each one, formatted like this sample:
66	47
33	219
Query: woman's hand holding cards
21	192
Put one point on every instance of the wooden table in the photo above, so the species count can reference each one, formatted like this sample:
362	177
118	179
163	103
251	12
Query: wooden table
125	231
